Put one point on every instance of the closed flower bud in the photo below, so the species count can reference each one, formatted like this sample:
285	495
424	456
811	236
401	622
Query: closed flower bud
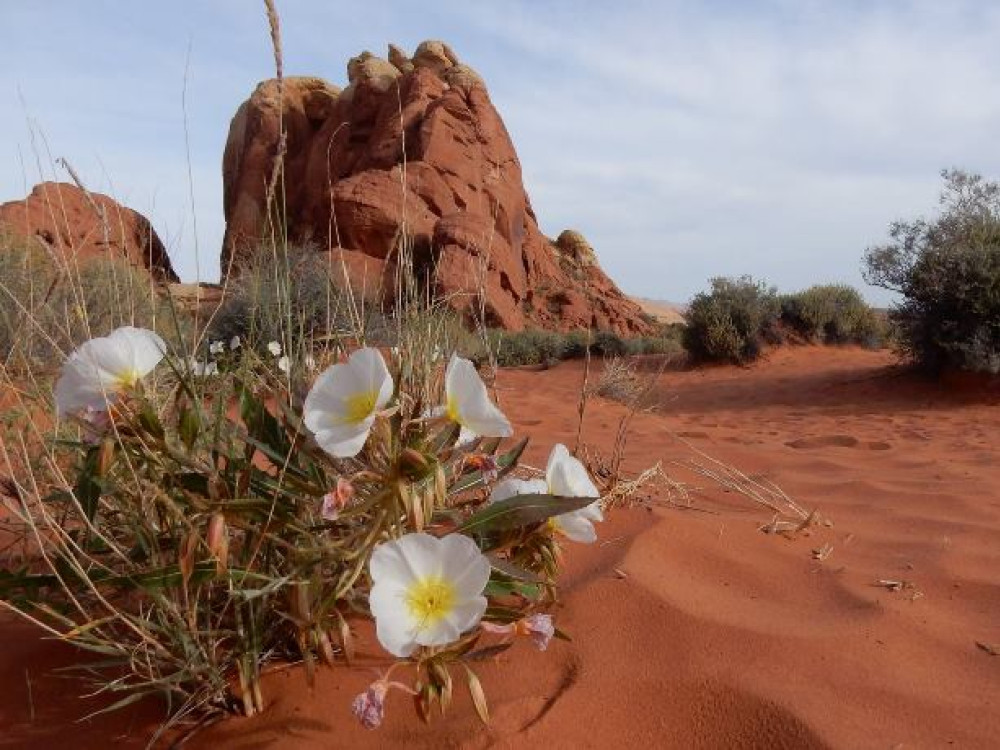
218	541
413	463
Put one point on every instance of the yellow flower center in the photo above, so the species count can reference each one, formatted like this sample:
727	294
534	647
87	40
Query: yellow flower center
451	410
430	599
359	406
127	379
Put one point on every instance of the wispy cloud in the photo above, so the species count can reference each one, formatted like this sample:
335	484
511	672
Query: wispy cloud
685	140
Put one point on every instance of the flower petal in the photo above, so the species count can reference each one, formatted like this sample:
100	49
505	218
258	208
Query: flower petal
343	440
575	527
464	565
566	476
469	403
509	488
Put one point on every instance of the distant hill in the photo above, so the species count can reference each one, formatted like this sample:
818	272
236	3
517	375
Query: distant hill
662	310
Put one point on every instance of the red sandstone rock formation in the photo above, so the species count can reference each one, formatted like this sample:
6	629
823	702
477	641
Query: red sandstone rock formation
457	199
83	225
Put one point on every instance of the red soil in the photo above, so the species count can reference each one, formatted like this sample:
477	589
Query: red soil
691	628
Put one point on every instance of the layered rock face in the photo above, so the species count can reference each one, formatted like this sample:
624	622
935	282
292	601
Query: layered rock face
411	154
81	225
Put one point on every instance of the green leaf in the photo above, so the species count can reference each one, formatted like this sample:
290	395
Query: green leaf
505	464
521	511
88	488
150	422
188	427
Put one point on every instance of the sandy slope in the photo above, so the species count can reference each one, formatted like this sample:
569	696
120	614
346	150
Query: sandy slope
692	628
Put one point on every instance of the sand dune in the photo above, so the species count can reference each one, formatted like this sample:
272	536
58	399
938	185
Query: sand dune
691	627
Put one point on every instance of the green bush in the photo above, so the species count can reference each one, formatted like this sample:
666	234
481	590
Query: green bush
46	312
832	314
948	274
733	321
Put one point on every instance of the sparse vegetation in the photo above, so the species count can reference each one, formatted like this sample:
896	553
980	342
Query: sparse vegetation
948	273
48	308
292	297
534	347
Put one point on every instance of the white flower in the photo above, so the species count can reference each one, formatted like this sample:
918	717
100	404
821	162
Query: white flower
101	368
284	364
564	476
216	347
426	591
309	362
341	407
275	348
468	403
234	343
200	369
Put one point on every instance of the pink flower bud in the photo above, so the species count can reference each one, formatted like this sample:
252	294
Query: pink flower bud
539	628
338	499
369	706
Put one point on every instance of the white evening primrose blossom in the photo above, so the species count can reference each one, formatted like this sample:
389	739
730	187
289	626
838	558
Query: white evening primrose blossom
102	368
216	347
201	369
468	403
341	407
234	343
565	476
284	364
275	348
426	591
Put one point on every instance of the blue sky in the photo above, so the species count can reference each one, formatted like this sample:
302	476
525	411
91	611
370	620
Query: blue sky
685	140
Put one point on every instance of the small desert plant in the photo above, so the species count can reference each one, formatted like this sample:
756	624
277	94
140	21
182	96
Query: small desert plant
732	322
191	540
832	314
619	381
293	297
948	273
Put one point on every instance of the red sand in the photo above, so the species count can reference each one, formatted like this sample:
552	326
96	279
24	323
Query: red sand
717	635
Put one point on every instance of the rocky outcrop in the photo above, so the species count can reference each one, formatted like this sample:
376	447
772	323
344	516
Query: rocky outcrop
456	200
80	225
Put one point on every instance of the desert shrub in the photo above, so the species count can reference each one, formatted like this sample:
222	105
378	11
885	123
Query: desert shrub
608	344
948	274
732	322
668	341
47	310
833	314
618	381
291	297
531	347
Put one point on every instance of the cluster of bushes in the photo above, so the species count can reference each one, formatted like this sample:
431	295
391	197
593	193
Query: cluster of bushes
948	274
737	318
534	347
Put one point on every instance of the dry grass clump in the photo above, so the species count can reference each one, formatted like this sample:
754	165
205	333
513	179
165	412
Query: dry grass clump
49	305
619	381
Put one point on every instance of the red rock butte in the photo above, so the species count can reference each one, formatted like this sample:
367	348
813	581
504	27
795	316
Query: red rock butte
412	152
80	225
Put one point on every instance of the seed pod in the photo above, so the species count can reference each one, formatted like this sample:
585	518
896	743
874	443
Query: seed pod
218	541
413	463
105	456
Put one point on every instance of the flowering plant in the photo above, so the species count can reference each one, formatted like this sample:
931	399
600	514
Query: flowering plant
196	536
